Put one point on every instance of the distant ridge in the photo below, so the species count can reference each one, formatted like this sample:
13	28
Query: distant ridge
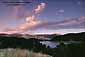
37	36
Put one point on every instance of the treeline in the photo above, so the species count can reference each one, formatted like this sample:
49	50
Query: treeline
69	37
16	42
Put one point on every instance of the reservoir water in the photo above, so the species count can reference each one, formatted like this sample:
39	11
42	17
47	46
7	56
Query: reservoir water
53	44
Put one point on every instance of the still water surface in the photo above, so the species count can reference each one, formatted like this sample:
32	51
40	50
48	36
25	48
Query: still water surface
53	44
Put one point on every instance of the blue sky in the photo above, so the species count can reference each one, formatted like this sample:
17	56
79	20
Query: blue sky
53	11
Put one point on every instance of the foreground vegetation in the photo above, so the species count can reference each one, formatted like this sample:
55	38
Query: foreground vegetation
10	52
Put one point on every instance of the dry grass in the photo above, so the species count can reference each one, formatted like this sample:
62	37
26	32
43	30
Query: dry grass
20	53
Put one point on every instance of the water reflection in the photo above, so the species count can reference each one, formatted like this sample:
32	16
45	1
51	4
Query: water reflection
53	44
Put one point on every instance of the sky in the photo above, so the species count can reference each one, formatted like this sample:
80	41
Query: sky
42	16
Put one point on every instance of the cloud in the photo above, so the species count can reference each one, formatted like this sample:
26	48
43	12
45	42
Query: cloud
3	25
22	27
59	11
39	8
19	12
30	18
68	23
27	26
31	22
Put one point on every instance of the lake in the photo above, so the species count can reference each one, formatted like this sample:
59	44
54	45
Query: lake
53	44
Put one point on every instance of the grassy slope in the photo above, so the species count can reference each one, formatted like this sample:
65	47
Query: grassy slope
20	53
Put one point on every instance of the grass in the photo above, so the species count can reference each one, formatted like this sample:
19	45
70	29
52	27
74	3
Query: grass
9	52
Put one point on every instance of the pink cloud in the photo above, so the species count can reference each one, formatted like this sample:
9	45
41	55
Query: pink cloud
39	8
32	23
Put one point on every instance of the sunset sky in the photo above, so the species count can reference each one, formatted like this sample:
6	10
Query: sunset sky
42	16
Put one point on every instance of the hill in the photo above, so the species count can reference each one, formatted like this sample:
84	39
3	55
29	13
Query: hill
70	37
